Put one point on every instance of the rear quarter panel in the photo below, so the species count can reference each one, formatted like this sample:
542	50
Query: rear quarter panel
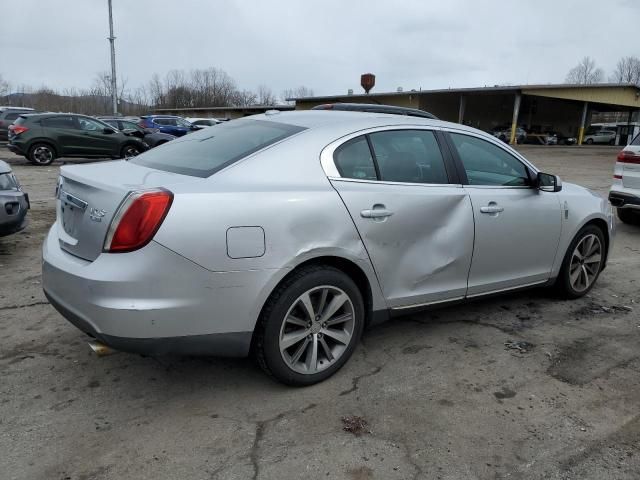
283	190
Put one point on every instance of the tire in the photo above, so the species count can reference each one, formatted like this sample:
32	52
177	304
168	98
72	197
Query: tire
612	142
285	320
627	215
589	141
41	154
570	286
130	150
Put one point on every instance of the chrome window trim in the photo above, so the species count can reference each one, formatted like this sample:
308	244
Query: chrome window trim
497	142
326	155
386	182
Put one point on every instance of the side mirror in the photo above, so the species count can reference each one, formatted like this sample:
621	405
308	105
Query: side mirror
548	183
108	130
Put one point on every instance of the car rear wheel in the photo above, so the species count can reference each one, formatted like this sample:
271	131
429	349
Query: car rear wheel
627	215
310	326
589	141
41	154
582	263
130	151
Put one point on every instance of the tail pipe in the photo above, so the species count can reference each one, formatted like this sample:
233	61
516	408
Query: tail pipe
100	348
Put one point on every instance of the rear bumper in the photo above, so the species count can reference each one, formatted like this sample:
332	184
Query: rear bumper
154	301
16	148
624	200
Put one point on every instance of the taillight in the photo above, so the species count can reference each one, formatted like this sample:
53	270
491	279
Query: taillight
627	156
137	220
17	129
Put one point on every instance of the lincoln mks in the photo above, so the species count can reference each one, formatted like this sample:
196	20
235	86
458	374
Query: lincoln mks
284	235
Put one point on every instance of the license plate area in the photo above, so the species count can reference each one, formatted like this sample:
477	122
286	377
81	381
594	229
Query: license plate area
72	210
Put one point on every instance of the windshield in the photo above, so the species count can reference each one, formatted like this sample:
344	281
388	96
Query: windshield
182	122
203	153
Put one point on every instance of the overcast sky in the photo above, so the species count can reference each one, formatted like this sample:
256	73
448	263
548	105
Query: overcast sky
322	44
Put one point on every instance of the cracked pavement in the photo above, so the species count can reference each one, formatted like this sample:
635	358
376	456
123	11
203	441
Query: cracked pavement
441	392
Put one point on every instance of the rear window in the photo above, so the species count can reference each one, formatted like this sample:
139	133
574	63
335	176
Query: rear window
58	122
12	115
207	151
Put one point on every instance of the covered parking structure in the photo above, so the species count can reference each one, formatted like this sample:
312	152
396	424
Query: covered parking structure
561	108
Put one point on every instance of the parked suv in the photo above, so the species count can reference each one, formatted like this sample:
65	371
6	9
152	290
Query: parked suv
14	203
43	137
600	136
170	124
151	136
7	116
625	191
203	122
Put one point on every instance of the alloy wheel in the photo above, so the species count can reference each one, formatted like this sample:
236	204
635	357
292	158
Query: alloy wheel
130	152
43	154
585	262
317	329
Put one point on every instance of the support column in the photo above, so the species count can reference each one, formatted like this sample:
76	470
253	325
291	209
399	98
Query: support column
514	122
463	105
583	122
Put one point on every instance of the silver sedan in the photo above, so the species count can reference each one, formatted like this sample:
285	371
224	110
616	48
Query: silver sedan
285	234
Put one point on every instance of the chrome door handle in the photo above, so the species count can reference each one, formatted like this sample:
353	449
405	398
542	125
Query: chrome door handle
376	213
492	208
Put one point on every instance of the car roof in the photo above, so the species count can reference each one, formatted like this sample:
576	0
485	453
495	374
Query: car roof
375	108
4	167
26	109
160	116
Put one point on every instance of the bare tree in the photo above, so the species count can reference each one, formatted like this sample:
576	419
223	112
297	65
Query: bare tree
266	96
627	71
4	87
298	92
585	73
244	98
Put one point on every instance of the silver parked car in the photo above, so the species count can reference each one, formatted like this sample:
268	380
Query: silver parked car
14	202
285	234
600	136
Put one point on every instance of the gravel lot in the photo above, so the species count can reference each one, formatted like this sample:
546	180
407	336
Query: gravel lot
435	396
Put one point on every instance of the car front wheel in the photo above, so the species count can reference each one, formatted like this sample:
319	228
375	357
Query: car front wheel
310	326
130	151
582	263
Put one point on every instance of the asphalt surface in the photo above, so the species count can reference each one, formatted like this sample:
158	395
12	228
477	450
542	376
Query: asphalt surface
519	386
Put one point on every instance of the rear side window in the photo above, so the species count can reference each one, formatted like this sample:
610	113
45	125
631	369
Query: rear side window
636	141
203	153
353	160
487	164
12	115
410	156
58	122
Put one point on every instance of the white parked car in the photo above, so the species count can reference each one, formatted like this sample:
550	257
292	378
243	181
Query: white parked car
625	191
601	136
202	122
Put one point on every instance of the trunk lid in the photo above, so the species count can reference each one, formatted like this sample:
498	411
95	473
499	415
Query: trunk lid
88	197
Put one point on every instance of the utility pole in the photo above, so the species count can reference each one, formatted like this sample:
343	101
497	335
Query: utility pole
114	87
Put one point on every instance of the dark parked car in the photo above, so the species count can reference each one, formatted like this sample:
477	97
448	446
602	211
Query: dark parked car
170	124
151	136
14	203
43	137
7	116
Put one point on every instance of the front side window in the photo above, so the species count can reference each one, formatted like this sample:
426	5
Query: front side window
410	156
353	160
203	153
182	123
488	164
89	125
